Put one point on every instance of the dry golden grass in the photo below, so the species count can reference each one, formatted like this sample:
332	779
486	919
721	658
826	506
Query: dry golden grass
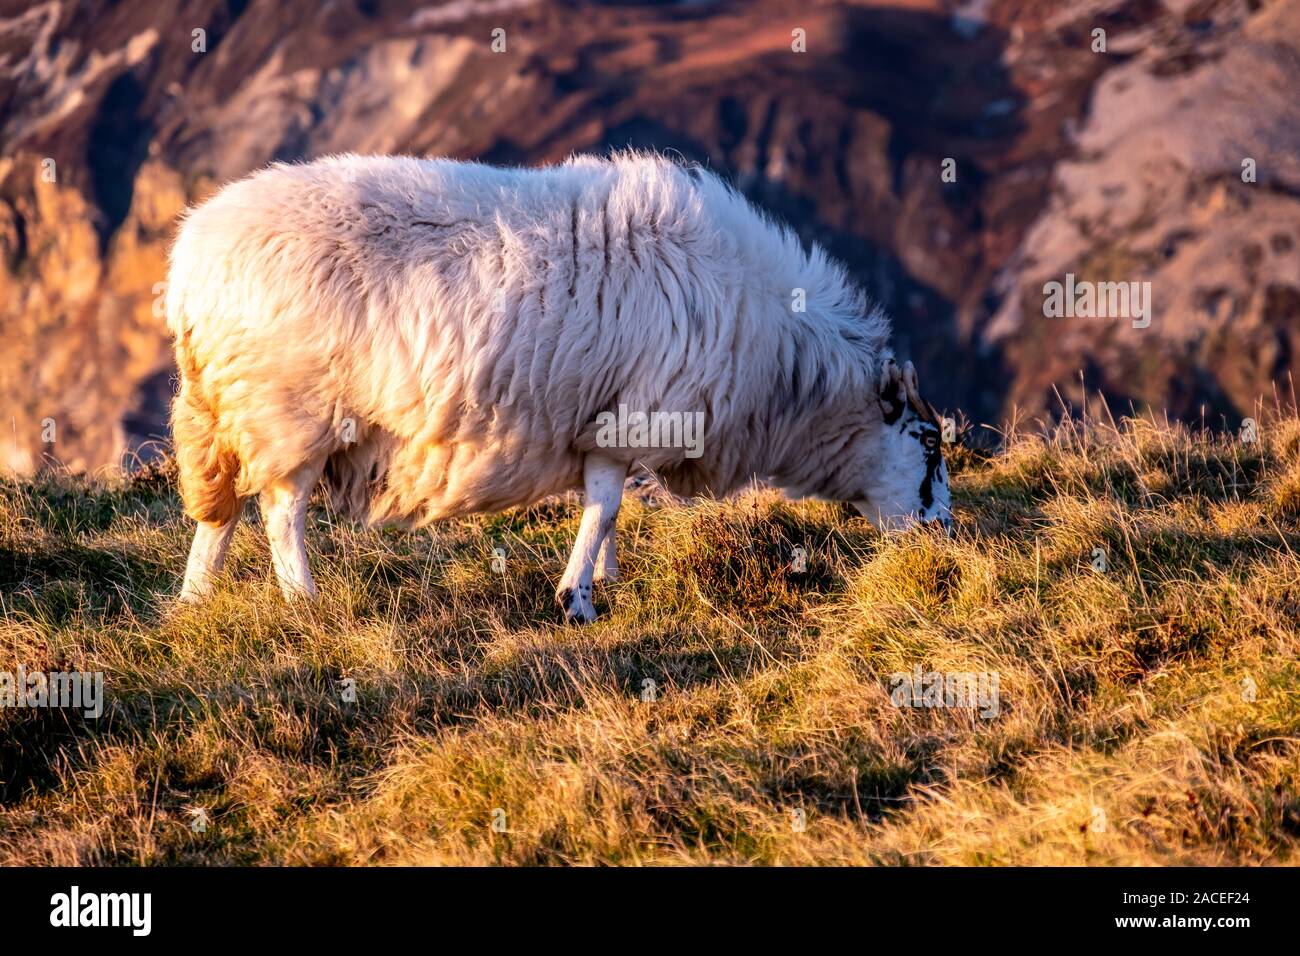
1148	713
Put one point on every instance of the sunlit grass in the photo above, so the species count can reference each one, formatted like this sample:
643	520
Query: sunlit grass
731	705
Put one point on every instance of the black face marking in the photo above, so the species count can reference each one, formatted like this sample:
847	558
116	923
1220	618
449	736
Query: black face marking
929	439
892	401
898	394
891	411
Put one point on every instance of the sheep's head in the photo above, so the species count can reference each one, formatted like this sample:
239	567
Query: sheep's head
910	483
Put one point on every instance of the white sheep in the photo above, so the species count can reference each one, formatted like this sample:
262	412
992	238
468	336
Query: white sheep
433	338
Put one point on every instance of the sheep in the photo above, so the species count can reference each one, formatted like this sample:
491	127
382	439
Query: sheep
431	338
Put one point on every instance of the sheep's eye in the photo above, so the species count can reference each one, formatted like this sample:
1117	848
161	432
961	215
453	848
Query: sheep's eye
931	440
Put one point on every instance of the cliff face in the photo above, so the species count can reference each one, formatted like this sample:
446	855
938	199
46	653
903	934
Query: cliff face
1118	165
1185	174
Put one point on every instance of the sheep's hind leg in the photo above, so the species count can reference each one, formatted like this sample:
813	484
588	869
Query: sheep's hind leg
284	511
207	556
603	480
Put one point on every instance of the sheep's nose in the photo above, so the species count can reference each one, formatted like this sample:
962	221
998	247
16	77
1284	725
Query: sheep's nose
944	522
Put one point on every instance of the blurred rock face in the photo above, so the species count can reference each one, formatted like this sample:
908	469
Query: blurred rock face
1186	175
957	156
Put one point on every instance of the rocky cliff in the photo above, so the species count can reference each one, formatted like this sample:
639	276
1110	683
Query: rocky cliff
955	155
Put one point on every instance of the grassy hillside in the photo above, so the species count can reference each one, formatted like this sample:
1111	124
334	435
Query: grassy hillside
1148	712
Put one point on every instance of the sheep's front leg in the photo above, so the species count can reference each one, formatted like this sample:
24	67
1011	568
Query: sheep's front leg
607	563
284	511
603	479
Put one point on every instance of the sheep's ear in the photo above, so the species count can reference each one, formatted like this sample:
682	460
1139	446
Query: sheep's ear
892	395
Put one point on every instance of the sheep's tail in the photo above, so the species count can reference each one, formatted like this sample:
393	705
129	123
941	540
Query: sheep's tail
208	471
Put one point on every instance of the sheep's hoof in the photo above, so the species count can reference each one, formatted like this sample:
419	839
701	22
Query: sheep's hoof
576	604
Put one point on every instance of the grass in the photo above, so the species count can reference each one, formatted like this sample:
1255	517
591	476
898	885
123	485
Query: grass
727	708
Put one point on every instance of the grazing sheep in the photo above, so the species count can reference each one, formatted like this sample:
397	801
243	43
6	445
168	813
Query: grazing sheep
432	338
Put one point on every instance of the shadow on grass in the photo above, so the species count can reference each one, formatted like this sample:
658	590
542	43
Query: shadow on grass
38	746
